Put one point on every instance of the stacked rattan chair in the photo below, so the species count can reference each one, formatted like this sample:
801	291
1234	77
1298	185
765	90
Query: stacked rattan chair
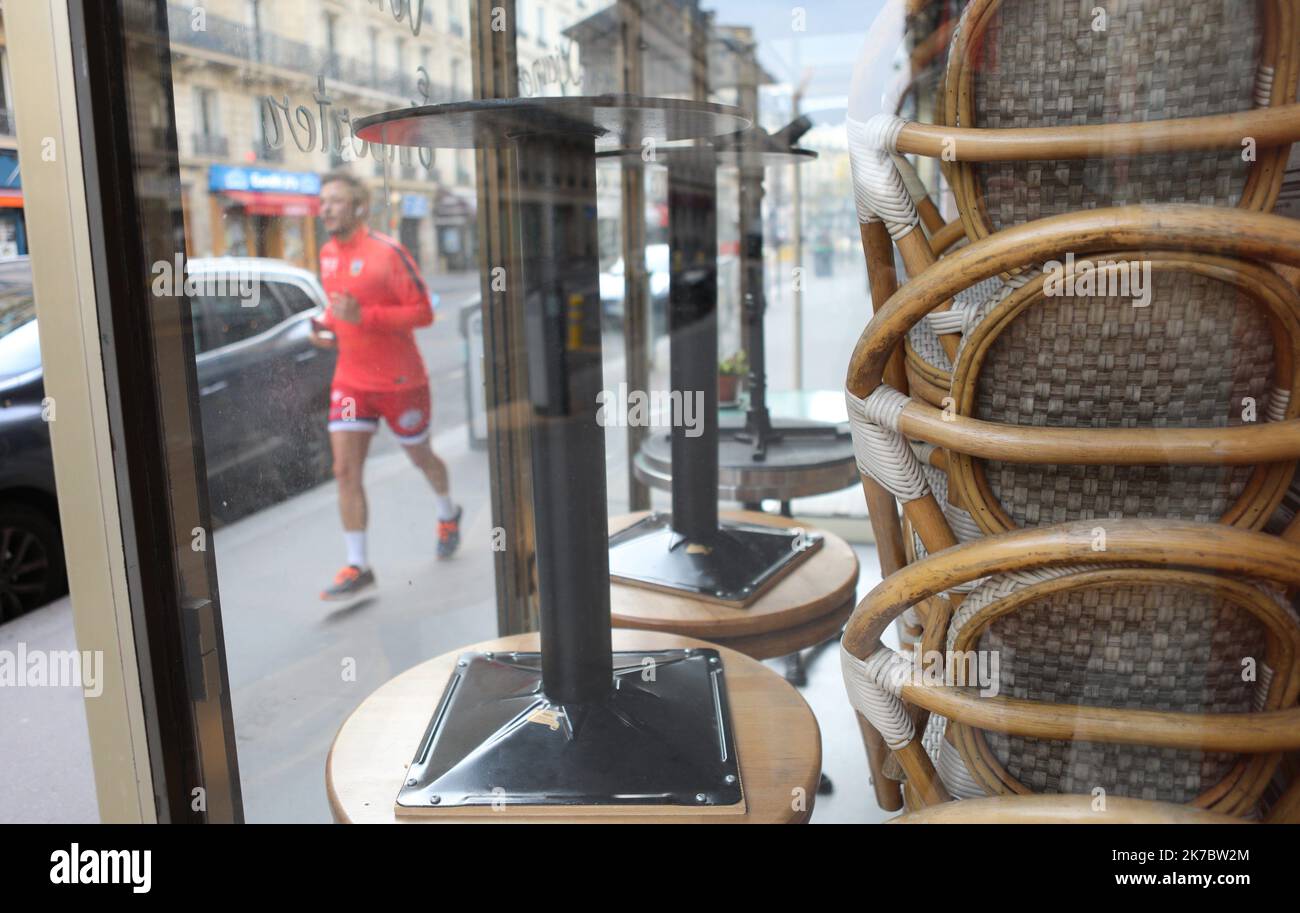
1083	481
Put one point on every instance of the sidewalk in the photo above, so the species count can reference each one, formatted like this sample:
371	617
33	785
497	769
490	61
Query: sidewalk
45	771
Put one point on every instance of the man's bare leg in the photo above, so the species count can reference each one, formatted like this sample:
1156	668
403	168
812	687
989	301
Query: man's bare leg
435	470
429	463
350	449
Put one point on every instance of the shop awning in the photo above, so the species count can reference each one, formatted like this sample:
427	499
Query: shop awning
10	198
275	204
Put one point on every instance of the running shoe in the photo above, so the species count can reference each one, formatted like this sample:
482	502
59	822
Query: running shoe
449	535
347	583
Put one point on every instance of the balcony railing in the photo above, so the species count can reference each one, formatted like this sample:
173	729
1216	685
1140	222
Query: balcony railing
265	153
225	36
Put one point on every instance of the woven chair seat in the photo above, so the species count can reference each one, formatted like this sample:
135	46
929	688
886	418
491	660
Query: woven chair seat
1134	646
1043	64
1193	358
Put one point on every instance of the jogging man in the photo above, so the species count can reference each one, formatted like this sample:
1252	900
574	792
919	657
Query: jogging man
376	300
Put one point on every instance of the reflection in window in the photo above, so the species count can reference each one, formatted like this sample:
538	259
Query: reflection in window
16	309
331	22
228	320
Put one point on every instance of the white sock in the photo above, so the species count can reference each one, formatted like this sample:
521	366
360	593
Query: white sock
446	509
356	543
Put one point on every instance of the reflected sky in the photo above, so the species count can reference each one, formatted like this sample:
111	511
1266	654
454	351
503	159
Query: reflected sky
839	38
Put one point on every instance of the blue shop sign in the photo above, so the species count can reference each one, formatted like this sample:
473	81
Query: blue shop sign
10	177
414	206
233	177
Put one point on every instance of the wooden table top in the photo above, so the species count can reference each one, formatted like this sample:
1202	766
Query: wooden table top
778	746
823	583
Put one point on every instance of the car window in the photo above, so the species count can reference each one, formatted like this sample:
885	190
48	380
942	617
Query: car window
228	320
294	298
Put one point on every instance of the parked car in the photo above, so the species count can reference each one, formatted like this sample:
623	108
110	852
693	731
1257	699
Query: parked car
263	395
612	284
263	387
31	547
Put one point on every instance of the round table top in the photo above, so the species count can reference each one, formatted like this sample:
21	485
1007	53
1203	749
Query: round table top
821	584
778	746
615	120
794	468
725	157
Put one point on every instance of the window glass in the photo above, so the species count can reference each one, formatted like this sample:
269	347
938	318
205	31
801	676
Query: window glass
202	333
16	309
294	298
231	318
332	515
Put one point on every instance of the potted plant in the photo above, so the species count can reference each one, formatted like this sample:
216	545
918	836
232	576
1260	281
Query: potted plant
730	372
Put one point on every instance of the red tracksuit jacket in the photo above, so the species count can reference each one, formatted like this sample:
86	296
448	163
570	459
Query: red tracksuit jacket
379	353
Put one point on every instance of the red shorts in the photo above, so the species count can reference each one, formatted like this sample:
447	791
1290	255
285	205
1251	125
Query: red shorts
405	411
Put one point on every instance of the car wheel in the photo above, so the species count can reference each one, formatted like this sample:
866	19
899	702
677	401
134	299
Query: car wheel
31	560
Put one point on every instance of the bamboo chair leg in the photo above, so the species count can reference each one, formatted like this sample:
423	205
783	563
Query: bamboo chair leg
930	524
911	801
889	792
878	248
921	775
885	525
888	530
930	216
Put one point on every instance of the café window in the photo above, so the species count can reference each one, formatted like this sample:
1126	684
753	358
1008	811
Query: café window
676	411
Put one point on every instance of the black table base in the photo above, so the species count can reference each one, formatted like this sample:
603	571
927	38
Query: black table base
661	736
573	724
734	566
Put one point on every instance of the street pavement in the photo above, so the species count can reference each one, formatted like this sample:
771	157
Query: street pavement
45	769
